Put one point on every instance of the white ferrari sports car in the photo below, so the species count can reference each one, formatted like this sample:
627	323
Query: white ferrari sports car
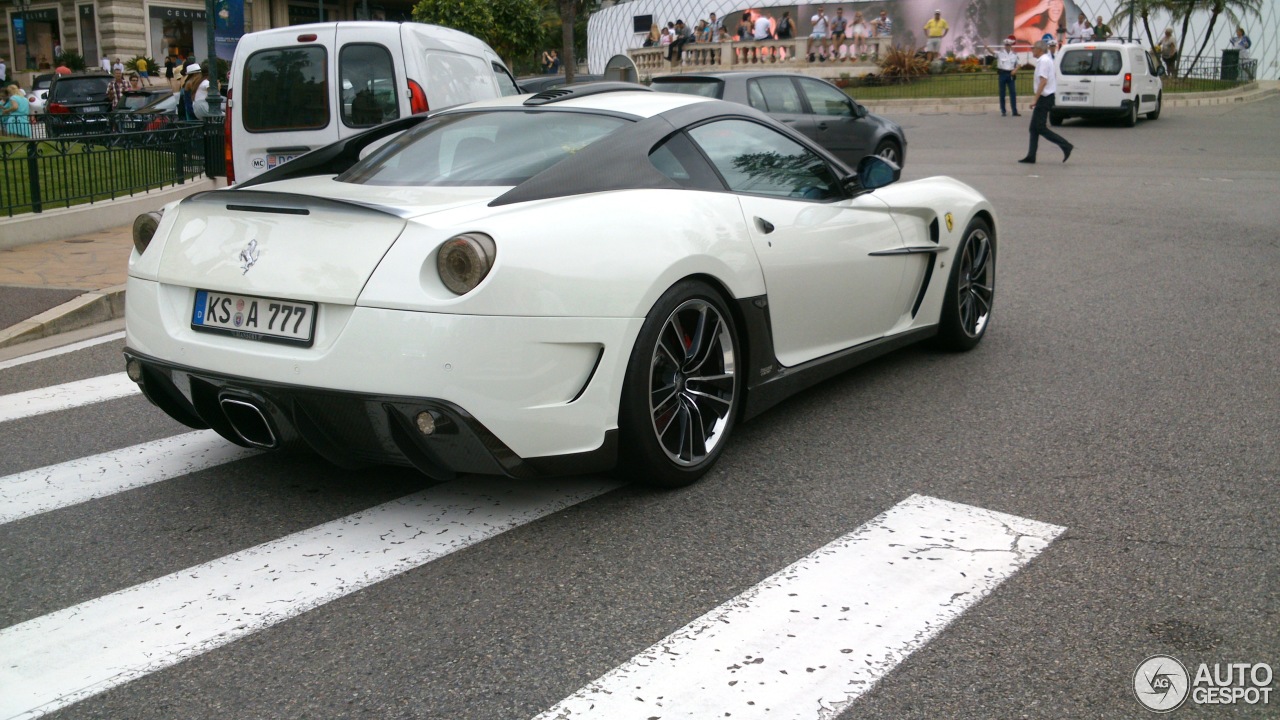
590	277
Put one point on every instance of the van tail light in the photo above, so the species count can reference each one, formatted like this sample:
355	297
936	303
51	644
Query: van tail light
417	98
226	140
58	109
1128	82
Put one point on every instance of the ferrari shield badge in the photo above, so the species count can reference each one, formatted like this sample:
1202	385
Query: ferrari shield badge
950	222
249	255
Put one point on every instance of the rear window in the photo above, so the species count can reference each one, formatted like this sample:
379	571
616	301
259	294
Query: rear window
285	89
80	90
704	88
1091	62
485	148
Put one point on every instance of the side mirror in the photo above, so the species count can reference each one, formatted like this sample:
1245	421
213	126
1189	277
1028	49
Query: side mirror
876	172
1160	71
858	110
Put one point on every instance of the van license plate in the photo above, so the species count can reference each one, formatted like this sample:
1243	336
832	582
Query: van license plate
278	160
1075	97
254	318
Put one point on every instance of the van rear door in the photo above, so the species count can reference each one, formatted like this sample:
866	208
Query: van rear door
372	85
284	103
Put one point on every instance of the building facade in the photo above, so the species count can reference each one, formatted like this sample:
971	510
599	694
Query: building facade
35	33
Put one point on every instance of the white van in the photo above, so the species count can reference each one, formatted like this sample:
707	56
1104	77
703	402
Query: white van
1107	79
294	89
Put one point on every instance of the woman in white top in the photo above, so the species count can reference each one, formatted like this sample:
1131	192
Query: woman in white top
859	31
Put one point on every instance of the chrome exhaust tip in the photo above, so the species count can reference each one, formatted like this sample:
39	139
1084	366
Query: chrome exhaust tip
249	422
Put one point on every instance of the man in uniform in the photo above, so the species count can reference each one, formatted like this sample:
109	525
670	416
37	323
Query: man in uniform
1006	70
1046	85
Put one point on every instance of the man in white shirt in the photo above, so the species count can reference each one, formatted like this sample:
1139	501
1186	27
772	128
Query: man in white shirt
1076	32
764	29
4	70
821	32
1046	85
1006	71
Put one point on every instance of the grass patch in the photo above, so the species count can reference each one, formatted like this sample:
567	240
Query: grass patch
74	173
985	85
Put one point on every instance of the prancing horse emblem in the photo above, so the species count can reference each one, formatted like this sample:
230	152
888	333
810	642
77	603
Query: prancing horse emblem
248	256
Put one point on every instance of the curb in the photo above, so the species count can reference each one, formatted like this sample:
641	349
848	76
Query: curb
88	309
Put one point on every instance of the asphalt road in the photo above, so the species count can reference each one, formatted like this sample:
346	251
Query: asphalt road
1127	389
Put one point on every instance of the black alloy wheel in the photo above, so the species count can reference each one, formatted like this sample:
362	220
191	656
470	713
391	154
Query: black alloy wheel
682	388
966	310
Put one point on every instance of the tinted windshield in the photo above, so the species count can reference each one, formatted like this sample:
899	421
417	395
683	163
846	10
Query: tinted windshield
81	90
705	88
483	148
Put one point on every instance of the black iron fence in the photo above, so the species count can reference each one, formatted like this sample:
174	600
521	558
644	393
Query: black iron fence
1211	73
56	161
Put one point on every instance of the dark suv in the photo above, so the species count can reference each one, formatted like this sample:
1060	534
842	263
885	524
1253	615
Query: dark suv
77	105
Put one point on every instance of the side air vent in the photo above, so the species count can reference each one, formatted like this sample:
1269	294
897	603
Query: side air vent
934	231
576	91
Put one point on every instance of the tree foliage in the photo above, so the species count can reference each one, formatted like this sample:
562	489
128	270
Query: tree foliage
513	28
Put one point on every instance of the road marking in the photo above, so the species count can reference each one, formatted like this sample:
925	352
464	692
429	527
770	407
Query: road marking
64	657
66	396
56	486
811	639
54	352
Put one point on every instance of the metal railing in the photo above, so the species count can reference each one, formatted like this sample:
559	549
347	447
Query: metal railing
1210	73
56	161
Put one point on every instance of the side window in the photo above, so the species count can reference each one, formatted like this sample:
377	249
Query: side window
285	89
761	161
755	96
453	79
677	158
1151	65
826	100
506	83
780	95
368	79
1077	62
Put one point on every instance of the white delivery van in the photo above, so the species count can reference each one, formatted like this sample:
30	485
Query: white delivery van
294	89
1107	79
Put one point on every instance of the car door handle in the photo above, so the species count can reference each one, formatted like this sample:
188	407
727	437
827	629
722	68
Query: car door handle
788	120
765	226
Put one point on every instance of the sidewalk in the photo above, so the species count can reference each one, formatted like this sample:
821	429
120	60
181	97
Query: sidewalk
96	263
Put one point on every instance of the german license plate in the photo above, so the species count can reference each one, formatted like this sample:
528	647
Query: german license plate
254	318
1075	97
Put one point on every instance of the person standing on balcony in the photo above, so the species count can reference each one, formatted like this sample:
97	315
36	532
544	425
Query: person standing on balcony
1101	30
682	37
860	33
715	27
821	33
1006	70
935	29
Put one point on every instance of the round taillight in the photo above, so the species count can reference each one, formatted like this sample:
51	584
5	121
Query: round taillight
144	228
464	261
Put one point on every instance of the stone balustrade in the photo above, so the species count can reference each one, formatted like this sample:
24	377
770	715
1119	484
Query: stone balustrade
751	54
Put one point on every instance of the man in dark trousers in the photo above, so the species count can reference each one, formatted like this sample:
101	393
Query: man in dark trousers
1046	84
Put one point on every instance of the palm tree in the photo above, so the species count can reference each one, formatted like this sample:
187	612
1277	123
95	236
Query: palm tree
1234	10
1143	9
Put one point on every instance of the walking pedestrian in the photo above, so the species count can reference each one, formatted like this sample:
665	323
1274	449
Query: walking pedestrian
1006	72
1168	48
1046	85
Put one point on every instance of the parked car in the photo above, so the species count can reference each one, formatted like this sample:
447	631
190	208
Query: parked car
281	103
538	83
146	109
814	107
543	284
1113	79
39	92
78	105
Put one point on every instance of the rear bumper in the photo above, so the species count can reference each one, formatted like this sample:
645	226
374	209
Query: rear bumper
351	429
532	390
1085	111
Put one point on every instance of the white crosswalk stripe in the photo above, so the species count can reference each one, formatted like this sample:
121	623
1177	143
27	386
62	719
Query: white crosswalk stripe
66	396
804	643
811	639
49	488
61	658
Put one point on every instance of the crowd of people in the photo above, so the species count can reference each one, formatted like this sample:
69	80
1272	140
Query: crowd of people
836	38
